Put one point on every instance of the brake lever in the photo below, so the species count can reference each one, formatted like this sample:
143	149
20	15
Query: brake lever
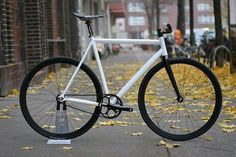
169	28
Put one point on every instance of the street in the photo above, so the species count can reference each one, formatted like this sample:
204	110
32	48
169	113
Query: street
125	136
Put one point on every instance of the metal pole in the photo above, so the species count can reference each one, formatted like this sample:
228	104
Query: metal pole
1	48
109	20
229	26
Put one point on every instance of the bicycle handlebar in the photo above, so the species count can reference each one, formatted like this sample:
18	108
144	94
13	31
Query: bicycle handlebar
166	30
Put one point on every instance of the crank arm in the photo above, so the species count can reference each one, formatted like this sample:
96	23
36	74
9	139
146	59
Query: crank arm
128	109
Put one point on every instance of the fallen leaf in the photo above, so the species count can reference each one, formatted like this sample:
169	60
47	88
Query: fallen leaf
5	117
15	106
168	145
172	121
136	134
96	126
185	130
14	92
49	126
76	119
27	148
107	123
207	137
228	130
66	148
175	127
226	121
4	110
227	126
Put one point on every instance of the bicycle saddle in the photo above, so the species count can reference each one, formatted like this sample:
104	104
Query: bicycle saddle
87	17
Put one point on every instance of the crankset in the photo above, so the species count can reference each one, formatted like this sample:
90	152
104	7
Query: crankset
112	106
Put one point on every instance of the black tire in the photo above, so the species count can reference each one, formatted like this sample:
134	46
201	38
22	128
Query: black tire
170	119
38	98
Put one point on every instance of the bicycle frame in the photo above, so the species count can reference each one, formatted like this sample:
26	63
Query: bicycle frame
161	52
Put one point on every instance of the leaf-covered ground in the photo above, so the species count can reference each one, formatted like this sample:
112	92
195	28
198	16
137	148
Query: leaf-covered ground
117	74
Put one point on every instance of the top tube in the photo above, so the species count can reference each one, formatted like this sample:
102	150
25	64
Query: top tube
127	41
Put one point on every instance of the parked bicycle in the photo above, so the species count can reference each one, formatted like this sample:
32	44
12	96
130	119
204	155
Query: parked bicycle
179	99
176	50
209	51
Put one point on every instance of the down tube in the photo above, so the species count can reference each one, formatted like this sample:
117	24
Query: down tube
141	71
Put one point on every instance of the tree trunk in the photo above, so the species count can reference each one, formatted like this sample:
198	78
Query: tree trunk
219	33
191	21
149	9
233	62
232	37
158	13
181	16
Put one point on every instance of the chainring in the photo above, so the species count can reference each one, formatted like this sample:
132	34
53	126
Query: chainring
107	109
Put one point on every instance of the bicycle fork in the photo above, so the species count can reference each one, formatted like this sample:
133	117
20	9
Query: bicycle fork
172	79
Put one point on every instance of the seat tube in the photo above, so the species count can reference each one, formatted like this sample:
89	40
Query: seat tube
98	60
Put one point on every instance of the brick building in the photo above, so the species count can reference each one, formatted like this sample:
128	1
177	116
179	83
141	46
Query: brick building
31	31
136	19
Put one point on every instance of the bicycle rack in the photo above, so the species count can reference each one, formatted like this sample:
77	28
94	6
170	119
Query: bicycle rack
61	127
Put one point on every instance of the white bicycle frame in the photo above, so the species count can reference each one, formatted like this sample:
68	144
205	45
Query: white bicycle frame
161	52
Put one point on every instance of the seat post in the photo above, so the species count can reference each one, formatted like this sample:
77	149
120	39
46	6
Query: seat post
90	30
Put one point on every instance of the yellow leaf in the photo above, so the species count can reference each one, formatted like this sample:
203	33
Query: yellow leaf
49	126
175	127
228	130
207	137
32	92
226	121
181	108
4	110
15	106
76	119
50	113
96	126
227	126
14	92
185	130
136	134
168	145
172	121
205	118
107	123
5	117
121	122
27	148
66	148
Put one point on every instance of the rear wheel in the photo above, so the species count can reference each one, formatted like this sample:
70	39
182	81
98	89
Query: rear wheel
202	99
41	108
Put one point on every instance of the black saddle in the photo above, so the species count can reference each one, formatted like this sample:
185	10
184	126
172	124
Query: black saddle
87	17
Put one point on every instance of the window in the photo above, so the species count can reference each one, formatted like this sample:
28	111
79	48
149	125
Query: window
206	19
136	21
203	7
135	7
164	8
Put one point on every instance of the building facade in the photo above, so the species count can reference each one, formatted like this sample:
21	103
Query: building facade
137	24
31	31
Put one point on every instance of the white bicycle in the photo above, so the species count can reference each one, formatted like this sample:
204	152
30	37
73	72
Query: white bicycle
179	99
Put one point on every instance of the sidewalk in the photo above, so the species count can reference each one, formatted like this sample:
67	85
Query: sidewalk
109	141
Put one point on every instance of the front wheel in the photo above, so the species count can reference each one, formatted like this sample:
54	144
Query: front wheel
200	108
41	107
